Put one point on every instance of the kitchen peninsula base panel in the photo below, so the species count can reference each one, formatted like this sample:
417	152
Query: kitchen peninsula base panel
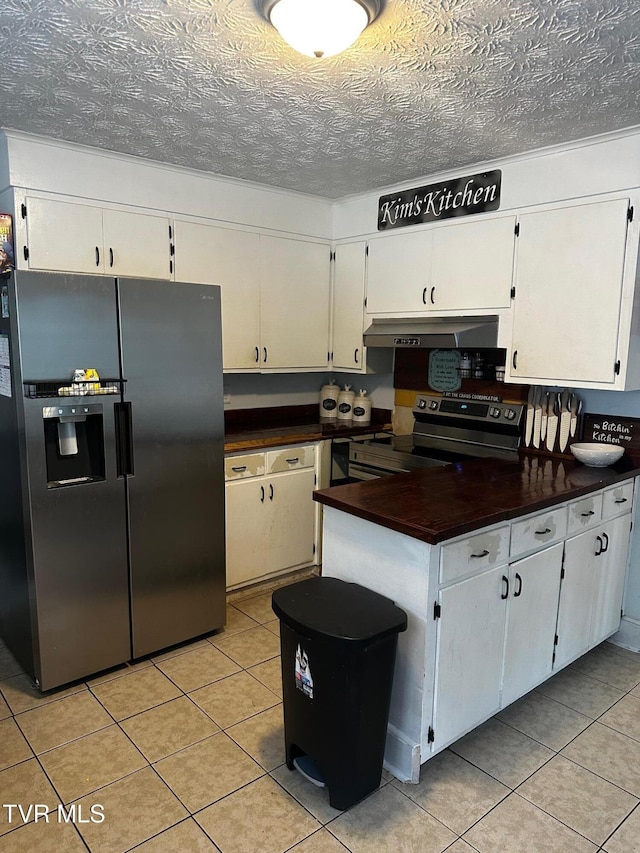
491	615
397	567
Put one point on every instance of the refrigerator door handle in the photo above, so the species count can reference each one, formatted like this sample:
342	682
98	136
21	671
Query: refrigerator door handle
124	439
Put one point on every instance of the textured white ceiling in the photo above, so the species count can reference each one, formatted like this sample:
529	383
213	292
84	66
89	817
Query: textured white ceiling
431	85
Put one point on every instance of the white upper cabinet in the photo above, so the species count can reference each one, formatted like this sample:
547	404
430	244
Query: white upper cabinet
80	238
399	273
294	303
206	254
63	236
136	244
460	266
568	303
472	265
275	294
348	306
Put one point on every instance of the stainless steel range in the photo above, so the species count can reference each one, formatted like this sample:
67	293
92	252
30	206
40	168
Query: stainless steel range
447	430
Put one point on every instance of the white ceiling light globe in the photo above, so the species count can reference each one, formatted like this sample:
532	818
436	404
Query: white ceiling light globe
319	28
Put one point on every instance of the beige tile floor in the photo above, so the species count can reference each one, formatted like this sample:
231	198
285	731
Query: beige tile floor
184	752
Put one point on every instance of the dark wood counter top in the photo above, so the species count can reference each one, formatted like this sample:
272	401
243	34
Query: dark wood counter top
435	504
259	439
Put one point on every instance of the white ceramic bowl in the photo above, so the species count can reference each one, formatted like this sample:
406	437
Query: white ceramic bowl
596	455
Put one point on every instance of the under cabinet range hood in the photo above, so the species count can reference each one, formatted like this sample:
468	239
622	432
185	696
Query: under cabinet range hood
433	332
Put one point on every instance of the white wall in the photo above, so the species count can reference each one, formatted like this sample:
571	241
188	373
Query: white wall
589	167
251	391
36	163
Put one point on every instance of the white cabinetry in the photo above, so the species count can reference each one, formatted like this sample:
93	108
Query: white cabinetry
206	254
294	303
454	267
80	238
594	571
469	653
270	513
399	273
568	301
275	294
471	265
348	351
534	584
485	658
610	578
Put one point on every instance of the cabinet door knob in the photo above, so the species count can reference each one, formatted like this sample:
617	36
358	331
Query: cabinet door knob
238	468
600	548
293	460
587	514
484	553
606	542
97	256
257	355
620	501
110	256
433	290
270	491
519	589
355	354
424	296
514	360
265	354
543	532
261	494
505	581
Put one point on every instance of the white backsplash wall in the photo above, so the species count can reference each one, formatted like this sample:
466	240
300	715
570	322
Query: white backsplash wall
256	391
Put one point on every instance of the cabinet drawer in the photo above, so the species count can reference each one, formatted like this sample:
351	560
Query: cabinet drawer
474	554
538	530
291	458
245	465
617	500
584	513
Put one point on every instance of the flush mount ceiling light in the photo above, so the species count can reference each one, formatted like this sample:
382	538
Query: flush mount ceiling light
320	28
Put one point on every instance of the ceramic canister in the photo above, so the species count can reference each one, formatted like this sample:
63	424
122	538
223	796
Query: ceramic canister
345	404
361	408
329	401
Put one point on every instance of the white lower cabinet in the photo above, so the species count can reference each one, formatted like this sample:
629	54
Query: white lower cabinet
610	578
506	623
270	514
534	584
592	588
576	598
469	656
486	656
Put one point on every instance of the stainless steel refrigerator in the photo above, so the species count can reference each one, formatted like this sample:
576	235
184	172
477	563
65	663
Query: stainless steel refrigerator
111	493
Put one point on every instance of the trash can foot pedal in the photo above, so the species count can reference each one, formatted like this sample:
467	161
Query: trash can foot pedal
306	766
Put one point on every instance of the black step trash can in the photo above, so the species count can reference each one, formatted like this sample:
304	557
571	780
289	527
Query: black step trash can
338	643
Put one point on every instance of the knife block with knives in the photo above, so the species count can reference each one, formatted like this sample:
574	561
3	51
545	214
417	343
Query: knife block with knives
553	421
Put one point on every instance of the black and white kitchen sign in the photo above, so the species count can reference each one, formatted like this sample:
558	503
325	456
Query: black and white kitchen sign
458	197
610	429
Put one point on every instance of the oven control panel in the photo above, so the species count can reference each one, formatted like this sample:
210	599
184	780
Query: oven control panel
455	407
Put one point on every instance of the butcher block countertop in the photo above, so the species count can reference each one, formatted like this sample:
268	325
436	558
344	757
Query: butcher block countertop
435	504
255	429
